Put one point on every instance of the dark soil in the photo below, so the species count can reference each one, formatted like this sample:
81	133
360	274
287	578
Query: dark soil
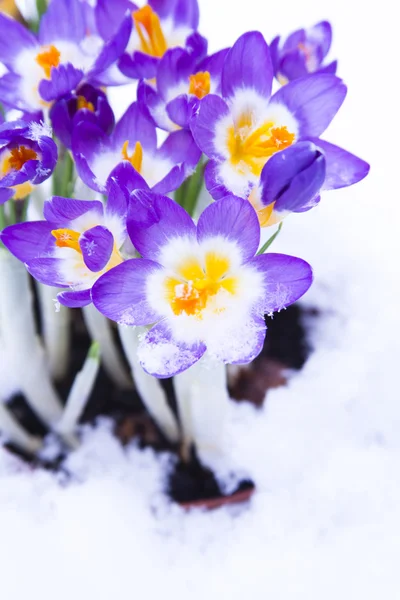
286	347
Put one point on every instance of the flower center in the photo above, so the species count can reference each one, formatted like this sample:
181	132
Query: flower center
251	148
48	58
193	288
81	102
17	158
136	157
68	238
200	84
149	30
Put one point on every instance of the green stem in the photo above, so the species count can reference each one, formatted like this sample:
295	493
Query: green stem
193	189
269	242
12	212
63	176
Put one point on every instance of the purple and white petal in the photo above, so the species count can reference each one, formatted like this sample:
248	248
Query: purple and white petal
50	271
61	211
163	356
120	294
29	240
64	79
96	245
233	219
211	110
342	167
74	299
5	194
154	221
248	65
14	37
63	20
135	126
313	101
245	343
126	176
286	279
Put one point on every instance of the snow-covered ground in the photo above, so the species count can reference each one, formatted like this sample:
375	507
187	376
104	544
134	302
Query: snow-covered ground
324	451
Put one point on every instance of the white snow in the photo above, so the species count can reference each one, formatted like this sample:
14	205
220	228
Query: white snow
324	451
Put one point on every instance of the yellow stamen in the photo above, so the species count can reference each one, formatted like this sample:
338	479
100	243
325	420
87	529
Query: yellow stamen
22	190
200	84
48	58
253	149
81	102
136	157
148	27
192	292
67	238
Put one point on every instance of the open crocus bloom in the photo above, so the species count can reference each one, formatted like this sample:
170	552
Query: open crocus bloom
44	68
78	242
181	82
303	52
134	140
28	156
159	26
243	130
201	287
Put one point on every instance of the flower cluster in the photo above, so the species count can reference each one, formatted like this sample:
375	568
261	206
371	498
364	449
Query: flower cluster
133	247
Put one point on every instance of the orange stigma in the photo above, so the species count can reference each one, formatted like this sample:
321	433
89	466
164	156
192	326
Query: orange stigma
136	158
255	148
81	102
192	292
200	84
18	157
67	238
48	58
149	30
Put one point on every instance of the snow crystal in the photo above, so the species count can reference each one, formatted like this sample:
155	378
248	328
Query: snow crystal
38	130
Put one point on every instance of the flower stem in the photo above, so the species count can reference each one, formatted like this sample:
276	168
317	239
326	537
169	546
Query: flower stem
270	240
56	331
149	388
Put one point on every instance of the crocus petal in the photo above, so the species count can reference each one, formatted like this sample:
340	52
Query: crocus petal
313	101
109	16
120	294
178	110
64	79
342	167
155	220
63	20
244	345
28	240
75	299
114	47
292	177
233	219
117	200
96	245
48	271
125	175
212	108
183	12
5	194
10	85
138	66
197	45
62	211
293	65
213	183
135	126
154	106
163	356
214	63
321	34
14	37
248	65
286	279
274	52
175	67
180	148
330	68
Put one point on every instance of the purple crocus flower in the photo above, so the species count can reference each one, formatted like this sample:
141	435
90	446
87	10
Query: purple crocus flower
134	140
44	68
200	287
242	130
86	104
28	156
158	26
78	241
302	53
181	82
